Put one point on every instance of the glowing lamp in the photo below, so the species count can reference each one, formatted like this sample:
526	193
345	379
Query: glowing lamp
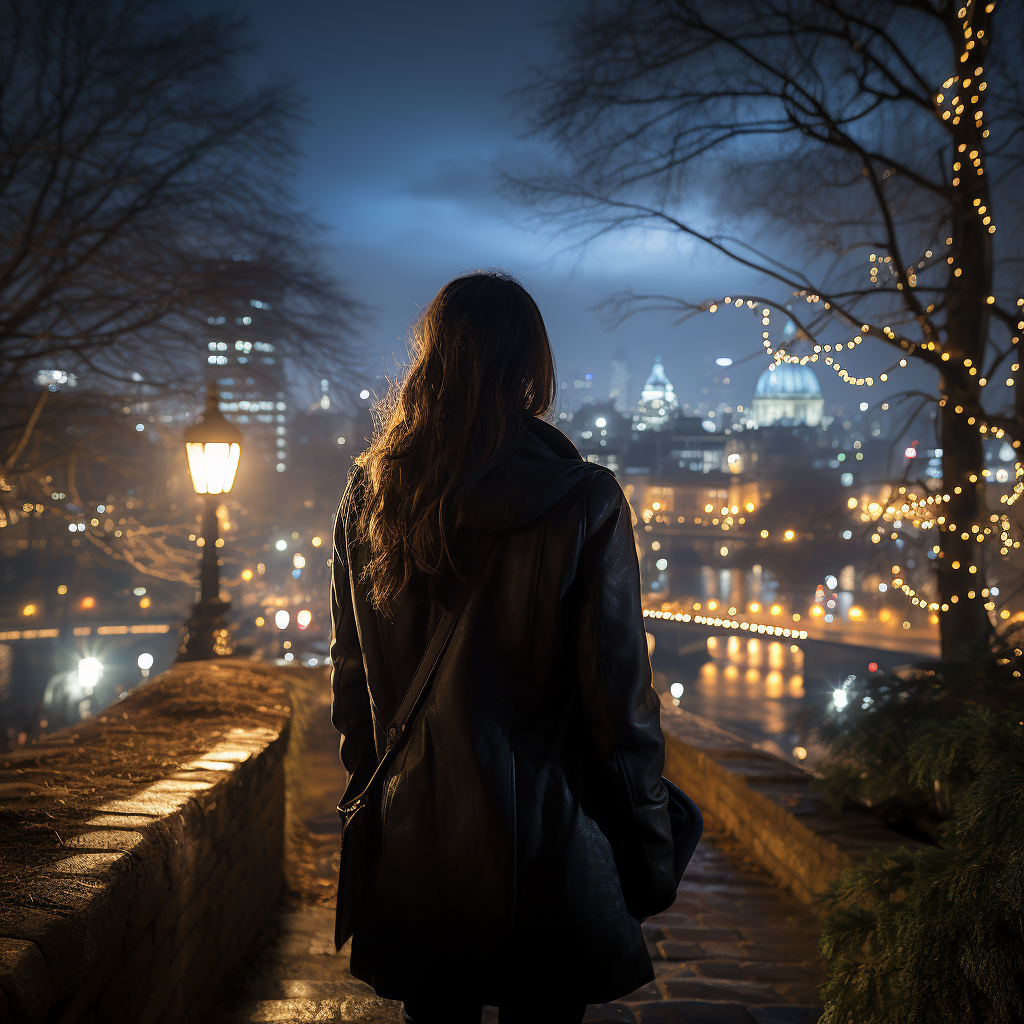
213	446
89	672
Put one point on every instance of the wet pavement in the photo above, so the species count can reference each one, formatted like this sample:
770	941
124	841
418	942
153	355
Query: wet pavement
733	949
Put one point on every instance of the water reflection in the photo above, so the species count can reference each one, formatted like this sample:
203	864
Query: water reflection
759	686
752	679
753	652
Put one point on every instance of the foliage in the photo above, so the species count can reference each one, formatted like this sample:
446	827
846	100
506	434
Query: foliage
938	934
870	739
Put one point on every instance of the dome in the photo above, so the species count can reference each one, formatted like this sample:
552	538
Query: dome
789	379
658	380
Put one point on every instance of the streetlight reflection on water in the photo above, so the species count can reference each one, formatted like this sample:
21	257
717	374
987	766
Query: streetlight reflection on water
749	684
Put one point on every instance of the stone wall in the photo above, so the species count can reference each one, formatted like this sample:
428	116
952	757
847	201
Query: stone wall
143	849
767	805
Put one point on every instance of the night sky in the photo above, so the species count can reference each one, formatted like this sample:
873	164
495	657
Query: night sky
410	113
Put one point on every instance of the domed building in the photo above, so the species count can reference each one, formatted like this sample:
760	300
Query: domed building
658	403
788	394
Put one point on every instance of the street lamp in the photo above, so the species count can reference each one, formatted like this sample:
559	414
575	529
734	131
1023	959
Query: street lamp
213	446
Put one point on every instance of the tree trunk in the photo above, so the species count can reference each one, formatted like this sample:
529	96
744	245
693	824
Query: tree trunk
964	619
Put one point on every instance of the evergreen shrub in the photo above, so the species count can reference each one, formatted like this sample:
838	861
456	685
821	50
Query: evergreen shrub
936	936
869	740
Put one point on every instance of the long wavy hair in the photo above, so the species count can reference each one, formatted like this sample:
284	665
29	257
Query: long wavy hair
481	369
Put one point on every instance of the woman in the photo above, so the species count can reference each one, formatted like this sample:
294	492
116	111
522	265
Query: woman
524	823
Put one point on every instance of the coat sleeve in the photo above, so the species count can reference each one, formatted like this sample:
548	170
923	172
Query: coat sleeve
621	709
350	699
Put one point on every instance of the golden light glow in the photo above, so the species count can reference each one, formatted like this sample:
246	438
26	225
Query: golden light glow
776	609
62	589
856	613
753	608
316	541
260	621
88	602
212	465
145	602
789	535
29	609
247	575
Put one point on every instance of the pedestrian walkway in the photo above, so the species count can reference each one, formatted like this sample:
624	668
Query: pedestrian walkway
733	949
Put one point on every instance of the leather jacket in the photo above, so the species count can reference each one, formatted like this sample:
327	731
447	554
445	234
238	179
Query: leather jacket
529	785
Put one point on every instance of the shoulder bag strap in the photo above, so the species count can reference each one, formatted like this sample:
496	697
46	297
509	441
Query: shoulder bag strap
424	674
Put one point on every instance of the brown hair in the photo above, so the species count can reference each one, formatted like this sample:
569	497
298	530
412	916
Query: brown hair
482	367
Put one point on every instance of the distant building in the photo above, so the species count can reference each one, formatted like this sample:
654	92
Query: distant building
618	393
658	403
242	359
788	394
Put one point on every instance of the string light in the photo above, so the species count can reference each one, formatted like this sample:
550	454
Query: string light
766	629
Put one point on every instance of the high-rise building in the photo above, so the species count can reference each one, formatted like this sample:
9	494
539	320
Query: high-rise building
618	392
250	377
658	403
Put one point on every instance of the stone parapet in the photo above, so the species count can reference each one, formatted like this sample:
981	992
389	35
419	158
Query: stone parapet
767	805
142	849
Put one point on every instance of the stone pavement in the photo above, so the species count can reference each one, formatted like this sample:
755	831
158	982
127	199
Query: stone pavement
733	949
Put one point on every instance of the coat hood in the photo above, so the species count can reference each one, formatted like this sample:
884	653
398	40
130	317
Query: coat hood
542	470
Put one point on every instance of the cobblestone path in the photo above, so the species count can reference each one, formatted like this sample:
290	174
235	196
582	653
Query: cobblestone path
733	949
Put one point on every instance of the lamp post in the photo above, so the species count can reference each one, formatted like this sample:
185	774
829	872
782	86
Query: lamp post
213	446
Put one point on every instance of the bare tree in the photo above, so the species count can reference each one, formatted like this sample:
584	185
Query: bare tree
143	191
857	156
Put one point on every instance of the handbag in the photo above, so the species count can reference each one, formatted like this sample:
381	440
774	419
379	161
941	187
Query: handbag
360	816
687	826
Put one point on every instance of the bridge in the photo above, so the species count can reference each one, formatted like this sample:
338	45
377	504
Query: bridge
901	638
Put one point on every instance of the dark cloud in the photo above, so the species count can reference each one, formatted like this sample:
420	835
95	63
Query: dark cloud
409	115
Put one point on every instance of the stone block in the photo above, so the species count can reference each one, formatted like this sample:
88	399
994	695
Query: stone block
671	950
690	933
786	1014
25	979
720	990
609	1013
676	1011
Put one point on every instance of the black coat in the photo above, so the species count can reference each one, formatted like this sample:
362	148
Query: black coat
531	778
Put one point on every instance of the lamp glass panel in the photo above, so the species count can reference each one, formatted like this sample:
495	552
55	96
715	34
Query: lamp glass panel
197	466
213	465
232	466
